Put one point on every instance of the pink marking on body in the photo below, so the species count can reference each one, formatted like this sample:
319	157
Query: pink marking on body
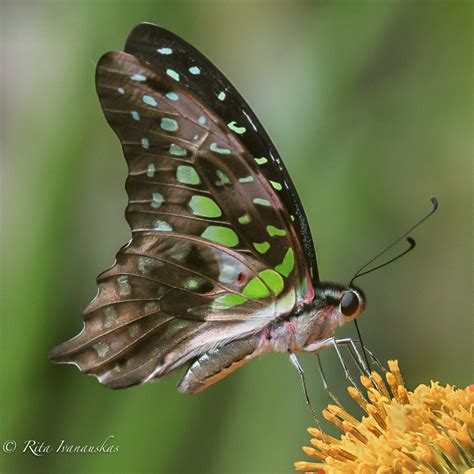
310	290
290	325
242	278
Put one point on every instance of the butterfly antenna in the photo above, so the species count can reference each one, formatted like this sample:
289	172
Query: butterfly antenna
360	272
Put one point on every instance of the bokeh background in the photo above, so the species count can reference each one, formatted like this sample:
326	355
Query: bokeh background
369	103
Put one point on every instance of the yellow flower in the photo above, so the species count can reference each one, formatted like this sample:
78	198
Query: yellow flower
424	431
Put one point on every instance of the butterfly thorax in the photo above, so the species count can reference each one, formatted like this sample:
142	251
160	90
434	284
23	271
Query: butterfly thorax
307	329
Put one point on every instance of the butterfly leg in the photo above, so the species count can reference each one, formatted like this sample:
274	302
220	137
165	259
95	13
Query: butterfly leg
343	363
375	360
325	384
355	354
296	364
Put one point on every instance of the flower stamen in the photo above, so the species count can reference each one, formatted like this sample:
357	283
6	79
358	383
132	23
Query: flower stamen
427	430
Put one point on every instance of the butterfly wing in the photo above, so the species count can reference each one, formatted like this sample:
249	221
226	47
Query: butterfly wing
204	80
215	254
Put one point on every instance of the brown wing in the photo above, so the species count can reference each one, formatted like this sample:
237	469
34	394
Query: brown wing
213	255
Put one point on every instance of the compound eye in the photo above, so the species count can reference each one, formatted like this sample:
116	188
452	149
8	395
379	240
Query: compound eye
349	304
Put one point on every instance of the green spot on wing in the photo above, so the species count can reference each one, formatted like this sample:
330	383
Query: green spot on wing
262	202
233	126
223	179
133	330
248	179
162	226
187	175
286	267
276	185
229	300
150	171
221	96
221	235
261	161
217	149
173	74
193	283
245	219
157	200
170	125
273	280
204	206
176	150
275	231
256	289
261	247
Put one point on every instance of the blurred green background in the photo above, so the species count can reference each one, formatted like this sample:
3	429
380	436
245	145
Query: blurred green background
369	103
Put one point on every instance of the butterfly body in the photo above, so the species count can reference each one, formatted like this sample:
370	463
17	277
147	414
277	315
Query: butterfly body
221	266
307	330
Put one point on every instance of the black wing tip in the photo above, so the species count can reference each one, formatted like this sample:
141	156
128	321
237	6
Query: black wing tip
141	29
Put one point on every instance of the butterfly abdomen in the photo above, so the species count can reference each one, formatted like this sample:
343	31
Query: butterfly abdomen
215	364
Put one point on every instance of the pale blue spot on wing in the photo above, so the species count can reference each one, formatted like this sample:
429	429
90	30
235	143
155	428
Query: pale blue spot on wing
173	74
123	285
195	70
162	226
172	96
165	51
145	143
217	149
133	330
121	90
150	171
202	120
221	95
135	115
101	348
170	125
157	200
176	150
149	100
138	77
110	316
233	126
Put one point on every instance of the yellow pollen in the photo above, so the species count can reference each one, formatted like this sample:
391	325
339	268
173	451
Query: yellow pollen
426	430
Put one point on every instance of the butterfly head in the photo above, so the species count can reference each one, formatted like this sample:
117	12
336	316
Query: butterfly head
344	302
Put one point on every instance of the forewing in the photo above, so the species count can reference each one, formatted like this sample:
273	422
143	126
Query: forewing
163	50
215	254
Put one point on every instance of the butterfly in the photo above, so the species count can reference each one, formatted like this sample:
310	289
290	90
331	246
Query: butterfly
221	266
